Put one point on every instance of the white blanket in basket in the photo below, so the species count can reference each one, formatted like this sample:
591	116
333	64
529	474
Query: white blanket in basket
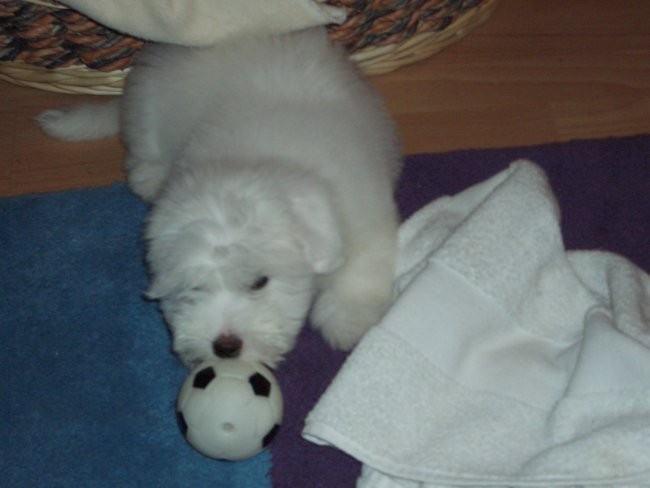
204	22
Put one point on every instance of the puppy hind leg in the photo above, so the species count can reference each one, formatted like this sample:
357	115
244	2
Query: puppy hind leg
356	296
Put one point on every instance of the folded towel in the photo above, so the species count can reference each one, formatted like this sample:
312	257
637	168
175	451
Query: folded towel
505	360
204	22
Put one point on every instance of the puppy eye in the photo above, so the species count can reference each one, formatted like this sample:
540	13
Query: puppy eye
259	283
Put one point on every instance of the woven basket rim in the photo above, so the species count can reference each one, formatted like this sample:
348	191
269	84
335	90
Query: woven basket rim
377	60
71	80
47	3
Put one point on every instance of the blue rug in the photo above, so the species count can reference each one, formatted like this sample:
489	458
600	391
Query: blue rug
88	380
88	385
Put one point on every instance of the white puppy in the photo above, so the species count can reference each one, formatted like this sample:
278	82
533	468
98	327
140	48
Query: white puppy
270	166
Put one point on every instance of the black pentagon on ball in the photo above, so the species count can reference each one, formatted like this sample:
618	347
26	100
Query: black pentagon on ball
261	386
203	378
182	424
268	438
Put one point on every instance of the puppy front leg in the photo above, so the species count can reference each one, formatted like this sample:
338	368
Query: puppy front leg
146	165
146	175
356	296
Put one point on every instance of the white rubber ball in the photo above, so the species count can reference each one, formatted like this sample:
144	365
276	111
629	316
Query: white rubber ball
229	408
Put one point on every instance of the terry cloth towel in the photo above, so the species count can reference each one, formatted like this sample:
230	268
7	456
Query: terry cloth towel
505	360
204	22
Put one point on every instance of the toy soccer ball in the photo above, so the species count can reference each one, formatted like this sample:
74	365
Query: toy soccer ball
229	408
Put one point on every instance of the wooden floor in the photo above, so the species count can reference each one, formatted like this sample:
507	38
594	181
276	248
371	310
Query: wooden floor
538	71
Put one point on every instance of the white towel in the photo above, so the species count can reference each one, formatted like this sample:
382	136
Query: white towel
505	360
204	22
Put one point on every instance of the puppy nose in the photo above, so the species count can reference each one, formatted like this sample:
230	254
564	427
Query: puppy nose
227	346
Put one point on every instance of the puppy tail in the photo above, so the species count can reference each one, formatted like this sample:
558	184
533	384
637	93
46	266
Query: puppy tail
86	122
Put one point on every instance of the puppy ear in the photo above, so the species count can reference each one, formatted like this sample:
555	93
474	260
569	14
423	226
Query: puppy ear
160	287
318	229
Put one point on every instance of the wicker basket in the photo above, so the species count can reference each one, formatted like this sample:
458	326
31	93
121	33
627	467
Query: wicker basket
48	46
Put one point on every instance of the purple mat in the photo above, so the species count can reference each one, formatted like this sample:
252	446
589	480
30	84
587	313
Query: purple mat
603	188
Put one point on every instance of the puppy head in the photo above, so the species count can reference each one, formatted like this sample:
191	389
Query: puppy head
233	256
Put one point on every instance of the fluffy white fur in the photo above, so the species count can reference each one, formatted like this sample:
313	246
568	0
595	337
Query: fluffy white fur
270	166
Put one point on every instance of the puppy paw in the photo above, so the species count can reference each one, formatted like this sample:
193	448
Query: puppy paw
146	178
344	315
